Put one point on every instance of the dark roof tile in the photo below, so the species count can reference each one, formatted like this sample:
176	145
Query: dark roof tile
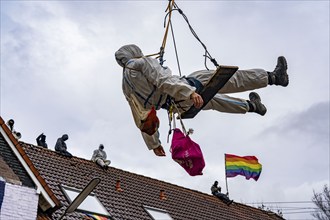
138	191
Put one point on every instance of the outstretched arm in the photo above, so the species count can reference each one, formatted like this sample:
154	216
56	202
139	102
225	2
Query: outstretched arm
159	151
39	137
152	141
162	78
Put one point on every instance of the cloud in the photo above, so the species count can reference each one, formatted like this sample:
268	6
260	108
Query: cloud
298	142
313	124
58	75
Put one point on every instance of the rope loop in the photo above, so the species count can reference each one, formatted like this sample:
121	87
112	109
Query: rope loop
176	8
172	6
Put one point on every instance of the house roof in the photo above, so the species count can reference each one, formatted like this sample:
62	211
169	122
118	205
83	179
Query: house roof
138	191
52	170
7	173
49	198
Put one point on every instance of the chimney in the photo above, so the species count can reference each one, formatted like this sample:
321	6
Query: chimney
162	195
118	188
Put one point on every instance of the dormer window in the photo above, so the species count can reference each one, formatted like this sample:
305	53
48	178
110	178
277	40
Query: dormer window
157	214
91	204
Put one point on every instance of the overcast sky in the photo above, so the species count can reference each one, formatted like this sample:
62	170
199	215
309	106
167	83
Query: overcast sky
59	75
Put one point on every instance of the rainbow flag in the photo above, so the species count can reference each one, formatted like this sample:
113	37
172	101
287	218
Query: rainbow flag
96	217
247	166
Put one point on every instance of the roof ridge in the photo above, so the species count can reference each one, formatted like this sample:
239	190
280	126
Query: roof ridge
122	170
28	164
161	182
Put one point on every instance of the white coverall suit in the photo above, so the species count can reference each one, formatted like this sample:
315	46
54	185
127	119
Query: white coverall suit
100	157
151	83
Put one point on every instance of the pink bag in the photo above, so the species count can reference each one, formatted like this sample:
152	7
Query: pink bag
187	153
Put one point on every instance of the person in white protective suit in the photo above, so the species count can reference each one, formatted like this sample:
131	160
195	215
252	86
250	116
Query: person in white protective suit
147	82
100	157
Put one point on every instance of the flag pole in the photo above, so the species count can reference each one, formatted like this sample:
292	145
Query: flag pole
226	177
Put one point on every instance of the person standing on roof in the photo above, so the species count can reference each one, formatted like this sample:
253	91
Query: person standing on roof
41	140
216	191
147	85
60	146
100	157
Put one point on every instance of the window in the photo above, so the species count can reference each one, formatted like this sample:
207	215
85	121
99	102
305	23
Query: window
157	214
90	205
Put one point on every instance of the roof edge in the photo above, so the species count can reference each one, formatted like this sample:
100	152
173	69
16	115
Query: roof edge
17	149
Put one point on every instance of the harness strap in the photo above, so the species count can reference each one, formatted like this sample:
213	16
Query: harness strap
158	103
130	85
149	96
146	100
195	83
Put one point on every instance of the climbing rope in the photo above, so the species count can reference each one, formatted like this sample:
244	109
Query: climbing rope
171	114
172	6
176	51
162	48
207	55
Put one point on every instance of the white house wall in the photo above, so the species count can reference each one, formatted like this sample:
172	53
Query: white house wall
18	202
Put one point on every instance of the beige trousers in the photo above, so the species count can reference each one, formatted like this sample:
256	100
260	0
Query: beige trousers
241	81
102	162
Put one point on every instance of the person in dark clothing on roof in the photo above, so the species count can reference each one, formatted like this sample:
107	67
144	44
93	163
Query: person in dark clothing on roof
216	191
60	146
41	140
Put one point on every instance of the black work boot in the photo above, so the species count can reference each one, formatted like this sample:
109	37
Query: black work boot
256	105
279	76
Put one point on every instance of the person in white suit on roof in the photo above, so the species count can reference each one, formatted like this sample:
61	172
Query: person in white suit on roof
100	157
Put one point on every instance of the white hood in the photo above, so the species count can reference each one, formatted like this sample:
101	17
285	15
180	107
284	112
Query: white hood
127	52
